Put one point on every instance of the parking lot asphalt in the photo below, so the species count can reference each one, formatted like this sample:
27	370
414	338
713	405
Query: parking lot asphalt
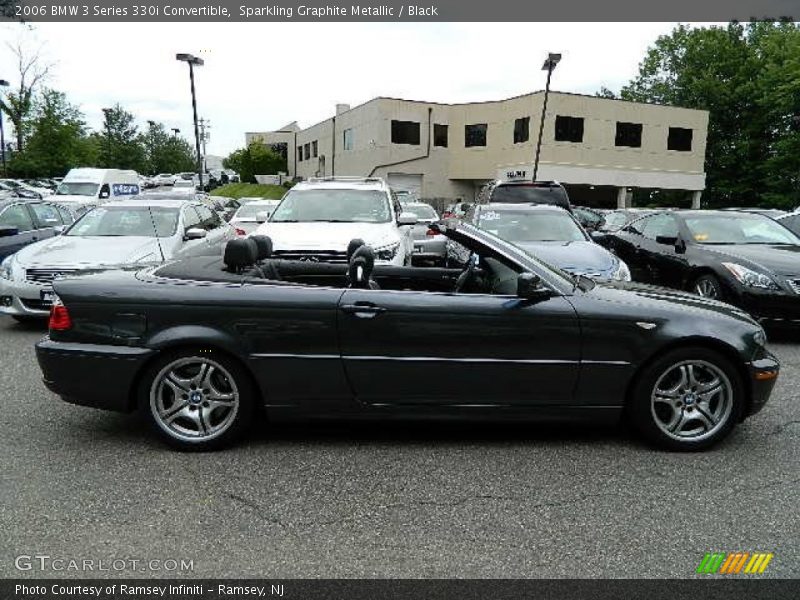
389	500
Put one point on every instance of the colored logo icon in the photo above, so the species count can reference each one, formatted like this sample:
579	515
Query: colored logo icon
734	563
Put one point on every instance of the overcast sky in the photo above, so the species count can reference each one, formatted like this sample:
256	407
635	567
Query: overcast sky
260	76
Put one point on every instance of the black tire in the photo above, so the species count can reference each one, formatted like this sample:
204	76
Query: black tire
693	408
218	426
708	286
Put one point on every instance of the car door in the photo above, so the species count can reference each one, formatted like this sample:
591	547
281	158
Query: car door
665	264
18	216
627	244
218	231
425	348
46	219
190	219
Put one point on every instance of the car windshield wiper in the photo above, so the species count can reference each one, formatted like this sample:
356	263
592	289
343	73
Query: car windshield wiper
331	221
285	221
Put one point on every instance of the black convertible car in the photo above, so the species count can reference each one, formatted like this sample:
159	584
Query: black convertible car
743	258
199	345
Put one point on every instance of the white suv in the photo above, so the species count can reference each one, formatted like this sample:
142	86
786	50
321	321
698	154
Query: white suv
317	218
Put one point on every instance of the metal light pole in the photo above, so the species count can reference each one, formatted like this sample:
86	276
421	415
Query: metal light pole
549	64
194	61
3	83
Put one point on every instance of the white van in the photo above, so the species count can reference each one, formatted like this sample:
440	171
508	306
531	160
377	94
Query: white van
94	186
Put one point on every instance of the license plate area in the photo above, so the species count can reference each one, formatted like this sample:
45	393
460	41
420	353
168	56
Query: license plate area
47	297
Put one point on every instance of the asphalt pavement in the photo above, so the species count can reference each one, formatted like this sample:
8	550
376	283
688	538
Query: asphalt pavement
384	500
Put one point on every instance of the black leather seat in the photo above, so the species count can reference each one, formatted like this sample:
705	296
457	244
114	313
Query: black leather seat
264	253
240	254
354	245
359	272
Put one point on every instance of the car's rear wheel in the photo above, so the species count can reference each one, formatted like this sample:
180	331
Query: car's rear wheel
708	286
197	400
689	399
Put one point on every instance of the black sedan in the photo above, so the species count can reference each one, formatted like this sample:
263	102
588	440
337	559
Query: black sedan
742	258
199	345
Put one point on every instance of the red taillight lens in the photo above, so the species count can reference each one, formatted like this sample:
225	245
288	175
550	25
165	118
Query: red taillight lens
59	317
431	232
240	232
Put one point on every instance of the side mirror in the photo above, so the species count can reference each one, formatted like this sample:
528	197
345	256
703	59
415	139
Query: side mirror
8	231
262	217
195	233
530	287
674	241
104	195
59	229
407	218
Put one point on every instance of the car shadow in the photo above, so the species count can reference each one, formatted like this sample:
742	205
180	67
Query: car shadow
784	335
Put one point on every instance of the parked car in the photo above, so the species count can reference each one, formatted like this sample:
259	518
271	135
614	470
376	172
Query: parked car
318	217
95	186
429	244
38	185
164	179
405	197
184	186
746	259
552	235
199	346
525	192
13	189
457	210
772	213
250	215
23	222
125	233
617	219
589	218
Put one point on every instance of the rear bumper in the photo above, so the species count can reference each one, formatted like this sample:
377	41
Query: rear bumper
763	375
90	374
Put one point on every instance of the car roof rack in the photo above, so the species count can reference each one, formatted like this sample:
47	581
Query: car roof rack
345	178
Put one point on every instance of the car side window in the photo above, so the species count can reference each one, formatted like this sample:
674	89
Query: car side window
792	223
17	215
637	226
208	218
191	220
660	225
66	217
46	215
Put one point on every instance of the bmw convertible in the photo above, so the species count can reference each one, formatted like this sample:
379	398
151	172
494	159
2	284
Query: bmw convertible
201	345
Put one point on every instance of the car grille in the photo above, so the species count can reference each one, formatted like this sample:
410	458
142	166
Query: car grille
795	285
45	276
323	256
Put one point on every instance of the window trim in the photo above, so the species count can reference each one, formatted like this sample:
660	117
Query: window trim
397	127
524	132
570	118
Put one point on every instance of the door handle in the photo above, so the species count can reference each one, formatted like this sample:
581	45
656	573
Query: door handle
362	310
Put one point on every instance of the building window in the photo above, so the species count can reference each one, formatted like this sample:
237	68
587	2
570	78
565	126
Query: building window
300	154
440	135
405	132
679	139
347	139
475	135
314	149
522	129
629	134
307	151
569	129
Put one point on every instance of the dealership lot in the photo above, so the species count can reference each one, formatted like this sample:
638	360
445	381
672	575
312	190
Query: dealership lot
390	500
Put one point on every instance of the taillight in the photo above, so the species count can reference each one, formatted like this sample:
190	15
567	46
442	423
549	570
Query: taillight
240	232
431	232
59	317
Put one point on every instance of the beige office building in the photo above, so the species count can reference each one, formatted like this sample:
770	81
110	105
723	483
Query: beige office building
601	149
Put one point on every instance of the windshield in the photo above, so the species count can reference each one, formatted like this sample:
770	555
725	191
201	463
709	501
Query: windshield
250	211
332	205
530	226
423	212
529	193
184	184
738	228
127	221
77	189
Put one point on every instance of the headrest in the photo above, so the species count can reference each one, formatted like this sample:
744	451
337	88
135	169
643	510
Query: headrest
358	273
240	253
367	254
264	246
354	245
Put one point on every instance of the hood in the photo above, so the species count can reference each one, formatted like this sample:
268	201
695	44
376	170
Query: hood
71	198
778	258
327	236
89	252
576	257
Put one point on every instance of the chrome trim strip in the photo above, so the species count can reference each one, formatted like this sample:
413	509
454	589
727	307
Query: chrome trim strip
534	361
310	356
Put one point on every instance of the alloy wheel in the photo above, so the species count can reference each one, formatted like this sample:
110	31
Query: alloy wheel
706	288
194	399
691	400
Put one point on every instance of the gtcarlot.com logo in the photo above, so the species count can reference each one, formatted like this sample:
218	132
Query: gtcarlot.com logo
734	563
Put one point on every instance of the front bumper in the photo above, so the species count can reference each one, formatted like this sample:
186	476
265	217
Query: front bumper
23	299
771	307
94	375
763	373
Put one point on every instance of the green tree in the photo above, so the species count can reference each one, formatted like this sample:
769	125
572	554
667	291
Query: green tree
166	153
57	139
120	143
256	159
748	78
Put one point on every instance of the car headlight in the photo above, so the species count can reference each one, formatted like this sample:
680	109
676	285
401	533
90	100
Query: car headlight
623	273
750	278
7	267
387	252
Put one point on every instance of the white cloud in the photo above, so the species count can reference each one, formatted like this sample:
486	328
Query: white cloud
260	76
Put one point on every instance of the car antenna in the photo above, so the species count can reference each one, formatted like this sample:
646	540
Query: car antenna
155	230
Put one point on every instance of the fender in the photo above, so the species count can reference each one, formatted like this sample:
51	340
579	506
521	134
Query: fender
187	335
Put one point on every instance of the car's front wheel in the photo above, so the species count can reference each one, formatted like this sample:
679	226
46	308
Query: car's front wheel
689	399
708	286
197	399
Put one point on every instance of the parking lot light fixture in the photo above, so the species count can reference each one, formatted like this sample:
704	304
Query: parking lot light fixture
3	83
194	61
549	65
